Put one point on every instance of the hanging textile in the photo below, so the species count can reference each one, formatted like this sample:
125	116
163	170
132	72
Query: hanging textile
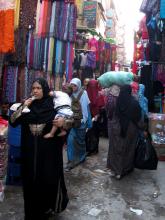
50	47
57	19
69	60
10	83
7	26
28	13
37	15
58	57
50	55
21	84
72	23
44	18
162	9
16	14
53	21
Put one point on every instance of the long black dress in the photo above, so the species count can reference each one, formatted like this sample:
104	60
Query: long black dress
44	188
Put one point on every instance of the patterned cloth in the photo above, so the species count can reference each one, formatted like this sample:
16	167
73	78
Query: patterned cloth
10	83
28	10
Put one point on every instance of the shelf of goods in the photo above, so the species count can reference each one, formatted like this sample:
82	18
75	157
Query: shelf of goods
157	131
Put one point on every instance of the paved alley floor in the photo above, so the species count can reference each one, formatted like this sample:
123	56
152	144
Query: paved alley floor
95	195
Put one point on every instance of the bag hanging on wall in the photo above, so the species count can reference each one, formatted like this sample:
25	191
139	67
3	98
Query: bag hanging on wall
145	154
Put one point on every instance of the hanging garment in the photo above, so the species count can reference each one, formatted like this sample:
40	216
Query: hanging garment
162	9
91	60
93	45
143	28
7	26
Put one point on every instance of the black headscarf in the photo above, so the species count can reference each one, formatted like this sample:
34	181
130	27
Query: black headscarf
41	110
127	109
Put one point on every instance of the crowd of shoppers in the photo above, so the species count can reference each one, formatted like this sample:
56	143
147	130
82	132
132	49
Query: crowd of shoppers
44	187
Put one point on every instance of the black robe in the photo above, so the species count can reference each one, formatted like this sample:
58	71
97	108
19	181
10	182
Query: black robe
42	165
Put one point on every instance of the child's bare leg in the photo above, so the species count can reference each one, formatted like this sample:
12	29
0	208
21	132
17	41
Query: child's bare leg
51	133
62	133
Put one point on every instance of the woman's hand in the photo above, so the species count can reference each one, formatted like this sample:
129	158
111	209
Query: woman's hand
59	122
28	102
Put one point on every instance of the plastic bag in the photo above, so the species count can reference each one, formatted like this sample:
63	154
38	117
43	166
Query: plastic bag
115	77
145	154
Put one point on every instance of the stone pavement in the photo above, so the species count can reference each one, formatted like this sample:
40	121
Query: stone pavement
95	195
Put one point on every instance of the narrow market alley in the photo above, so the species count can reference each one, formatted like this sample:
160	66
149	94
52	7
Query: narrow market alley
95	195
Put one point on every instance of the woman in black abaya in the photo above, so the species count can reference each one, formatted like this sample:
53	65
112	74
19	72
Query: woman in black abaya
124	117
42	162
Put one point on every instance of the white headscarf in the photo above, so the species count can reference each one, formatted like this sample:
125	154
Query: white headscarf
76	82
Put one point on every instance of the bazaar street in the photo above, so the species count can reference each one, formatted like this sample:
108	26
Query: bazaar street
91	189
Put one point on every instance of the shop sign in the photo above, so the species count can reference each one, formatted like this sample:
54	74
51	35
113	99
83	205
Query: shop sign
90	8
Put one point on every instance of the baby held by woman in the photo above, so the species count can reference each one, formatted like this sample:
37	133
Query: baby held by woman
62	105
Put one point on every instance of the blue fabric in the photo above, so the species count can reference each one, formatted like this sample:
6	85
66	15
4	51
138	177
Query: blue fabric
58	56
76	147
53	16
162	9
67	60
143	101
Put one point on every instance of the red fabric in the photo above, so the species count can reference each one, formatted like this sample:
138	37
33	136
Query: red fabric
134	67
96	99
113	52
7	31
3	122
143	28
135	87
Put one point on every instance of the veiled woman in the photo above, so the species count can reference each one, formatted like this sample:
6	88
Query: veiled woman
96	104
124	116
76	147
44	188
